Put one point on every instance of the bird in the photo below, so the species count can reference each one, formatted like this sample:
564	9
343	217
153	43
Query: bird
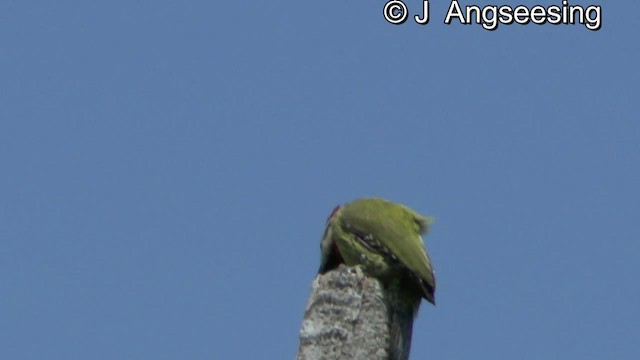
384	239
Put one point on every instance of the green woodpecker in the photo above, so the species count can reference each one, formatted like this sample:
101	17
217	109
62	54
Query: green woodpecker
383	238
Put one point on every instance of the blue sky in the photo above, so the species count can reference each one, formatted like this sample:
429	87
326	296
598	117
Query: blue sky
167	170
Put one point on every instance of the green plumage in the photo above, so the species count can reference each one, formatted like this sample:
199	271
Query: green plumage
384	239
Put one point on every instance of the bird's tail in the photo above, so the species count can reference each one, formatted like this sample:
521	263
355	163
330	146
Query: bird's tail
402	311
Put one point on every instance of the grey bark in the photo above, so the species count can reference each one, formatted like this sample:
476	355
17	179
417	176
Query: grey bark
345	318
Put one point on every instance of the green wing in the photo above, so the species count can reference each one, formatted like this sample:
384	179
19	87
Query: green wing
397	228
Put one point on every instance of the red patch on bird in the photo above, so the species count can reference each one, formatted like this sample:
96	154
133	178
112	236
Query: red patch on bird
335	210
